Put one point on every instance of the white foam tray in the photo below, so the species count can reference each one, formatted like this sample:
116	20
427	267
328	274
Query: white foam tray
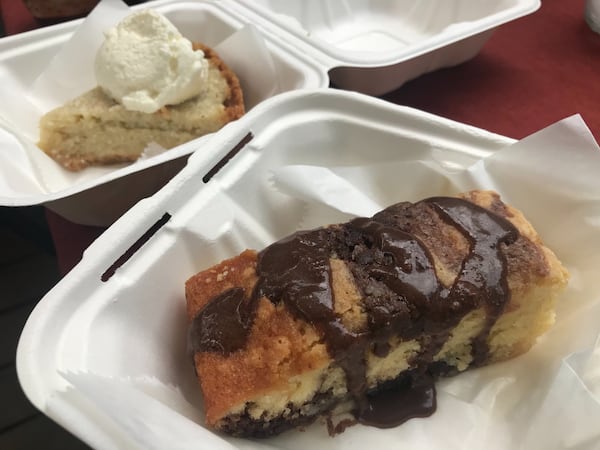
371	47
106	359
97	196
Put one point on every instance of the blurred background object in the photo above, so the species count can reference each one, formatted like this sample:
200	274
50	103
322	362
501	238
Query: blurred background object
592	14
61	9
54	9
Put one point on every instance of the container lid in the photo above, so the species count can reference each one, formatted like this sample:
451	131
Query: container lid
358	33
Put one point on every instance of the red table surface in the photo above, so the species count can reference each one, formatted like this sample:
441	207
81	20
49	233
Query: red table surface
533	72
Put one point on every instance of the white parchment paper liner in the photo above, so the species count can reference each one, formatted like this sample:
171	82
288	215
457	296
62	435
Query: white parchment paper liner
26	172
545	399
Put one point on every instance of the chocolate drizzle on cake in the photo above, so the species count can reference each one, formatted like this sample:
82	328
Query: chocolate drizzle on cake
222	326
402	297
405	398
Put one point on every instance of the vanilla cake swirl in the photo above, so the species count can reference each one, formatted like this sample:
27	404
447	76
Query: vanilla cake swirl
364	316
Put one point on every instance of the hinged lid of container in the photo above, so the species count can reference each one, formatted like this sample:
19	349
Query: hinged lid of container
375	46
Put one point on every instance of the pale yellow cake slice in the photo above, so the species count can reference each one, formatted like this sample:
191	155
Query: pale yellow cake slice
93	129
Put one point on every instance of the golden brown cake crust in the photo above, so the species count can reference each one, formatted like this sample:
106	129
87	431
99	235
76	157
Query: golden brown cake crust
93	129
234	103
281	347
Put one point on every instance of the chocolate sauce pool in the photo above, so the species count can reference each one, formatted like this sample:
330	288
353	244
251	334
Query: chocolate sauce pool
402	296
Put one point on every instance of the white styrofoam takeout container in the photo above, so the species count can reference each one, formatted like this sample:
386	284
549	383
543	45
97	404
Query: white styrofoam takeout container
103	353
367	46
99	198
132	325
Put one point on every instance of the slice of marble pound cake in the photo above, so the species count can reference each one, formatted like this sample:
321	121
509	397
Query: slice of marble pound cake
363	316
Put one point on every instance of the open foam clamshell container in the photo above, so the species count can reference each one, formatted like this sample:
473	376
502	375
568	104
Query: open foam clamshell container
104	352
371	47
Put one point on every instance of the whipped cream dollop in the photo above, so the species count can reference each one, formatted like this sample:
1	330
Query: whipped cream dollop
145	63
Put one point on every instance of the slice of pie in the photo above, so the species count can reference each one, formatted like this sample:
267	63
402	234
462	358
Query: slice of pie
362	316
93	129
